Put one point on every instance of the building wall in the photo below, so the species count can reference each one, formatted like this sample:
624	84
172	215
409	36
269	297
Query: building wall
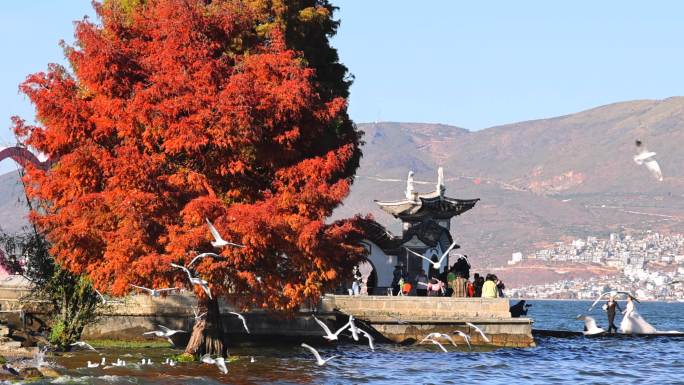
383	263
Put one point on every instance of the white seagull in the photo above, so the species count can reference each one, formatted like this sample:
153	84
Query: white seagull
244	321
436	343
155	292
352	328
119	362
328	334
104	300
165	332
465	337
203	255
218	240
437	264
590	327
477	329
319	360
612	293
195	280
83	345
370	339
93	365
439	335
220	362
647	158
198	316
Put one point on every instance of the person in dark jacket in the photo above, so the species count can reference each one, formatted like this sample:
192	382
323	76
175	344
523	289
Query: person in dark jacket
477	285
611	306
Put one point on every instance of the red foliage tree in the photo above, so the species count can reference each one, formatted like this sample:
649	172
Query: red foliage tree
179	110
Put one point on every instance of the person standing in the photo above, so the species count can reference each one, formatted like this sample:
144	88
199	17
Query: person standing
421	283
611	307
477	285
357	280
489	289
397	275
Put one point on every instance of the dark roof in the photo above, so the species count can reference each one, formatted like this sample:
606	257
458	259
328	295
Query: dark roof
428	205
429	232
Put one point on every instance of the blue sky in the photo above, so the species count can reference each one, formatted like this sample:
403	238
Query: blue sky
472	64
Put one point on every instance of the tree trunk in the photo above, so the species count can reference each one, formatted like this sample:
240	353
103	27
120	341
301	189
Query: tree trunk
207	334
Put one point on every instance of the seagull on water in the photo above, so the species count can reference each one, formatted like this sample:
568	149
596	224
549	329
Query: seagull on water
434	342
319	360
465	337
439	335
370	339
93	365
218	240
647	158
328	334
155	292
119	362
195	280
477	329
241	317
437	264
220	362
590	326
83	345
165	332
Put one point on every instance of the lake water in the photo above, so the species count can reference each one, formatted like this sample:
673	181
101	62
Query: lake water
553	361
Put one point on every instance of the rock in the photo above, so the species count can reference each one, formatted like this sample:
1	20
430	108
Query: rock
29	373
48	372
7	376
4	331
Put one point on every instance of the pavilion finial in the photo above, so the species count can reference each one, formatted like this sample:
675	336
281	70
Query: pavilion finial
440	181
410	190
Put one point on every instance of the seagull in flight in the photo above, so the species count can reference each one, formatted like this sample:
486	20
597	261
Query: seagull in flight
369	337
241	317
198	316
218	240
203	255
590	326
319	360
611	293
328	334
83	345
647	158
165	332
435	342
105	301
439	335
477	329
155	292
437	264
352	328
465	337
195	280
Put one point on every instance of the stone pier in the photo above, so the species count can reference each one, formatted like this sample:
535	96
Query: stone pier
392	319
405	319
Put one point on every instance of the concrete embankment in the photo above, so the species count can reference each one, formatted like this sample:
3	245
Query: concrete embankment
393	319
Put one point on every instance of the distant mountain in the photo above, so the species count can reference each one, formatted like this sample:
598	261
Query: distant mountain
539	181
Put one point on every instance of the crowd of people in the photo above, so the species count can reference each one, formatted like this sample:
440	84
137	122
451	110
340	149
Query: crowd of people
452	282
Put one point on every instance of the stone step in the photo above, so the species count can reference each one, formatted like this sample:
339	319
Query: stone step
10	345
